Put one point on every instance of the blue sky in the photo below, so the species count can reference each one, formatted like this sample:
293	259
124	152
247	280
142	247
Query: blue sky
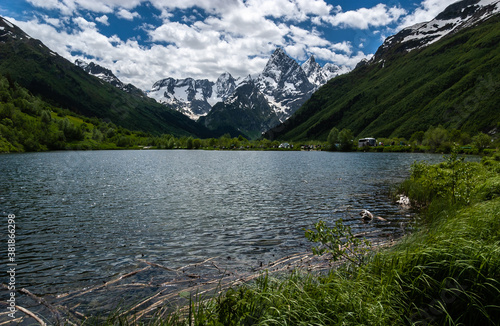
144	41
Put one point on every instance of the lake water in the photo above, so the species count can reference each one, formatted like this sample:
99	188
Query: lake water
83	218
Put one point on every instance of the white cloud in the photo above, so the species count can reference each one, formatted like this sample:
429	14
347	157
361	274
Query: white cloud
344	46
84	24
125	14
309	37
103	20
184	36
53	21
65	8
69	7
427	10
363	18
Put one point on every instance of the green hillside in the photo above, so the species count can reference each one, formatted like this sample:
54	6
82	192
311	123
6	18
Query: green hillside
34	66
453	82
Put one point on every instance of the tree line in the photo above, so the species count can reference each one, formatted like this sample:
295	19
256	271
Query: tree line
435	139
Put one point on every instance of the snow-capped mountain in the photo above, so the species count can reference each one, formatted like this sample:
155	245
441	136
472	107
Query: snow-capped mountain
194	98
454	18
261	102
318	75
285	84
107	75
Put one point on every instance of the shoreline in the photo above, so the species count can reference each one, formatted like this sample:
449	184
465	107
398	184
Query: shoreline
203	280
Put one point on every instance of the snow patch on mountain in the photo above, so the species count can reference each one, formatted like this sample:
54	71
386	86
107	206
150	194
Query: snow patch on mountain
193	97
318	75
460	15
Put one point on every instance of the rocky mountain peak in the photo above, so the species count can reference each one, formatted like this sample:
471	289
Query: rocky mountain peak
315	74
225	86
281	68
283	83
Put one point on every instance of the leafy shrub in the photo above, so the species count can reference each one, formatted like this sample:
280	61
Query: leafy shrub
338	241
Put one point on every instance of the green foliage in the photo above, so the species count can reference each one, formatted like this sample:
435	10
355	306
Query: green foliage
450	182
189	143
437	138
346	140
481	141
338	241
333	138
417	137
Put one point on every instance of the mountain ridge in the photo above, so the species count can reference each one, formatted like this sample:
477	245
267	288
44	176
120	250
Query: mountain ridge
457	16
283	83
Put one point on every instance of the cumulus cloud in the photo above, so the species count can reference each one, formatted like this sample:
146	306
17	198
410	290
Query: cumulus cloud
103	20
363	18
125	14
53	21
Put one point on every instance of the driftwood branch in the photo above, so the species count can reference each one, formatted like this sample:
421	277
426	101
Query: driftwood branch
44	302
78	293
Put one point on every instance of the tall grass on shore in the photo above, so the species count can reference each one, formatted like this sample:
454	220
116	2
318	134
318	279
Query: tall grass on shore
446	273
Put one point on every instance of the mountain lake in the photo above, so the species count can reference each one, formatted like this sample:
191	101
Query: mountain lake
85	218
